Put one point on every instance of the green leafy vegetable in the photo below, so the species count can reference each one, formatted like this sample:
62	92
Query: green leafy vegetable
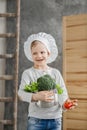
33	87
59	89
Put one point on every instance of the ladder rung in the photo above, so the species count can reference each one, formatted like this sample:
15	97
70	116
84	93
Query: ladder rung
6	99
6	77
7	14
6	55
6	122
8	35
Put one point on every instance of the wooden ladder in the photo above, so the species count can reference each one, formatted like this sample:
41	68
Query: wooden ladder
14	77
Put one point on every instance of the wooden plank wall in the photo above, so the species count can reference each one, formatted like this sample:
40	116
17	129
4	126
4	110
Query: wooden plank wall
75	69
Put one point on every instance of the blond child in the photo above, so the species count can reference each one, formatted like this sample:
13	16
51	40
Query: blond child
41	49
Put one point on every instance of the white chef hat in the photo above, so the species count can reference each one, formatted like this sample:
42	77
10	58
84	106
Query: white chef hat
47	40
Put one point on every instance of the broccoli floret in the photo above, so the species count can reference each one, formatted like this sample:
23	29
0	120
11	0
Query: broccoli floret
46	83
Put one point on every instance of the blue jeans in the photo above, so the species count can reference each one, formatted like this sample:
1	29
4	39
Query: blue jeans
43	124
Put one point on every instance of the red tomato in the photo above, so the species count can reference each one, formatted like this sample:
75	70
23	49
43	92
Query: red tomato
67	105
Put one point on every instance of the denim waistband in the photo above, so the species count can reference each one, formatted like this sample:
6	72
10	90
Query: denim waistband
43	119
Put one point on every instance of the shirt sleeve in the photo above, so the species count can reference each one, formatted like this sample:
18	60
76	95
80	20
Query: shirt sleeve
64	96
23	95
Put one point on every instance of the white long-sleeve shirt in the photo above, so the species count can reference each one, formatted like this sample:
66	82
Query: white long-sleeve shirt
31	75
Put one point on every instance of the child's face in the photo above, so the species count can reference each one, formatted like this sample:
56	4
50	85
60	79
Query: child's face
40	53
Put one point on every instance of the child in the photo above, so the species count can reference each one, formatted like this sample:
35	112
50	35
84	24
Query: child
41	49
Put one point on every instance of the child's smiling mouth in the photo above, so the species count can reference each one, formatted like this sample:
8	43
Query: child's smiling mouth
39	59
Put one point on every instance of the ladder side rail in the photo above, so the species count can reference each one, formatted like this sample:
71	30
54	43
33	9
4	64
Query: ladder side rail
16	63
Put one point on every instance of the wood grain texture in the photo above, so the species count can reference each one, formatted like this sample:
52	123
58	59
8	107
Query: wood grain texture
75	69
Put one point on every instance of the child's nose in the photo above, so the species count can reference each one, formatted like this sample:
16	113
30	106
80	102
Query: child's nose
39	55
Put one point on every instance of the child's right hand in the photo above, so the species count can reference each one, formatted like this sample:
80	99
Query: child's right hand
43	96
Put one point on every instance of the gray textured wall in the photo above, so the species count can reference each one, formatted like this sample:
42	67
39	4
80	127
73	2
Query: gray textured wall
46	16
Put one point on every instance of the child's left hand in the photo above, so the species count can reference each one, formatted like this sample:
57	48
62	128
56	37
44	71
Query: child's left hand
70	104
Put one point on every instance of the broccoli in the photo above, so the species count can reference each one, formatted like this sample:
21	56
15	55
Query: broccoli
43	83
46	83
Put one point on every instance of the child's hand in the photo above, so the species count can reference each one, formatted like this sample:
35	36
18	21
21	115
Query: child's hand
70	104
43	96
